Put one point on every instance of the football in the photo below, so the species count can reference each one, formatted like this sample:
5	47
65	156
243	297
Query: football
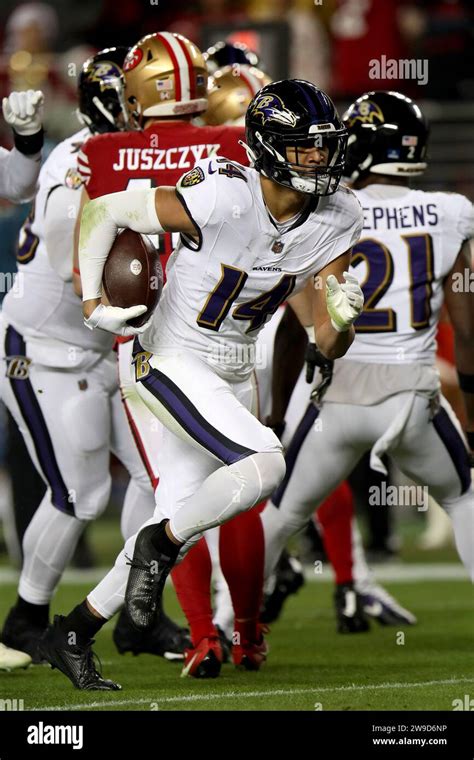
133	274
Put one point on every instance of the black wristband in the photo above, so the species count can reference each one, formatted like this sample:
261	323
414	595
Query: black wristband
466	382
29	144
470	439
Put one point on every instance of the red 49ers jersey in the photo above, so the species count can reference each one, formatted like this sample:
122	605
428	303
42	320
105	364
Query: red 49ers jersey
153	157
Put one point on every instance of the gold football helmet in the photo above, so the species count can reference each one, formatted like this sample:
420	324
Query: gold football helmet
165	75
230	91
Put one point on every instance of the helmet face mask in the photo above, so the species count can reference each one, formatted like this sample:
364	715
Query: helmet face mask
295	115
387	135
102	105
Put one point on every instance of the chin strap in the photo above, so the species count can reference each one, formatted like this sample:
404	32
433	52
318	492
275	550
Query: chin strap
250	154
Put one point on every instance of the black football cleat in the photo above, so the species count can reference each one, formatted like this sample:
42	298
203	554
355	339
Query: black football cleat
288	580
75	661
19	633
349	610
165	638
149	569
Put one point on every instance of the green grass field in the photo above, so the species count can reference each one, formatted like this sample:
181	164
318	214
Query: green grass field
310	666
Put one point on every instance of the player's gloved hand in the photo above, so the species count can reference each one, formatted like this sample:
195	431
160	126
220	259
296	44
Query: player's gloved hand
114	319
344	302
23	111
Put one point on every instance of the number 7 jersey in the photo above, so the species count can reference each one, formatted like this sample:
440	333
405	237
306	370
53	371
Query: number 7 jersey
409	244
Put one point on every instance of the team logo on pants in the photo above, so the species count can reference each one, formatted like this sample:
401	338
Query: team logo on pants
18	367
142	365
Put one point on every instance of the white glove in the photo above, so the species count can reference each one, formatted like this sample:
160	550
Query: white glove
344	302
23	111
114	319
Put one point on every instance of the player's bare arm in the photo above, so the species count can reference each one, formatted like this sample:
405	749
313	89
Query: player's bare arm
331	307
147	211
460	305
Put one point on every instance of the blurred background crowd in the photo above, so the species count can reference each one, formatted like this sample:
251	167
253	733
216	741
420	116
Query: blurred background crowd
329	42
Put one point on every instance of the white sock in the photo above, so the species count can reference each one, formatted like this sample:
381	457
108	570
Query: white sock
363	576
223	609
276	530
108	596
48	545
461	511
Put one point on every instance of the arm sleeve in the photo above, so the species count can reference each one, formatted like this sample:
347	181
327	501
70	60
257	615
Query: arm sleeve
100	222
18	175
62	208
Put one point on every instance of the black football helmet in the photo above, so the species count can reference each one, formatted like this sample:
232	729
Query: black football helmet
101	86
388	134
229	53
295	114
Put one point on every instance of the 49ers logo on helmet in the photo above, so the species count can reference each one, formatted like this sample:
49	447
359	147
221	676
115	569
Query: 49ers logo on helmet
132	59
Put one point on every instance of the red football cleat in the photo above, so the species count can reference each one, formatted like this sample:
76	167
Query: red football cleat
205	660
250	655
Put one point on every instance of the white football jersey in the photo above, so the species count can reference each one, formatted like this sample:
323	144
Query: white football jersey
409	243
222	290
40	304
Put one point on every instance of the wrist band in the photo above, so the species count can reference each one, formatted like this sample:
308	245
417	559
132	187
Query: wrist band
466	382
29	144
310	334
76	271
470	439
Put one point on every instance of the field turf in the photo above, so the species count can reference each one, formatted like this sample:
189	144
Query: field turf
310	667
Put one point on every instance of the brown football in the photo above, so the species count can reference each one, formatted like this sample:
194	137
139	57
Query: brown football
133	274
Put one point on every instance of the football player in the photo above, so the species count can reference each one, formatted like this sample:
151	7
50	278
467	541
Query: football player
229	95
384	396
60	379
19	170
163	94
357	596
249	237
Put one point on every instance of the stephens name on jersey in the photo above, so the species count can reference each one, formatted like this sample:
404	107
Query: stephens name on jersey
409	244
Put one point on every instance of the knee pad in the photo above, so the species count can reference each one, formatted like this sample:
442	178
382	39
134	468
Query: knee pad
92	498
271	468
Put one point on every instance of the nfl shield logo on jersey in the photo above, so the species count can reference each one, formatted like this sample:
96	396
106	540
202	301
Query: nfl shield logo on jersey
278	246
